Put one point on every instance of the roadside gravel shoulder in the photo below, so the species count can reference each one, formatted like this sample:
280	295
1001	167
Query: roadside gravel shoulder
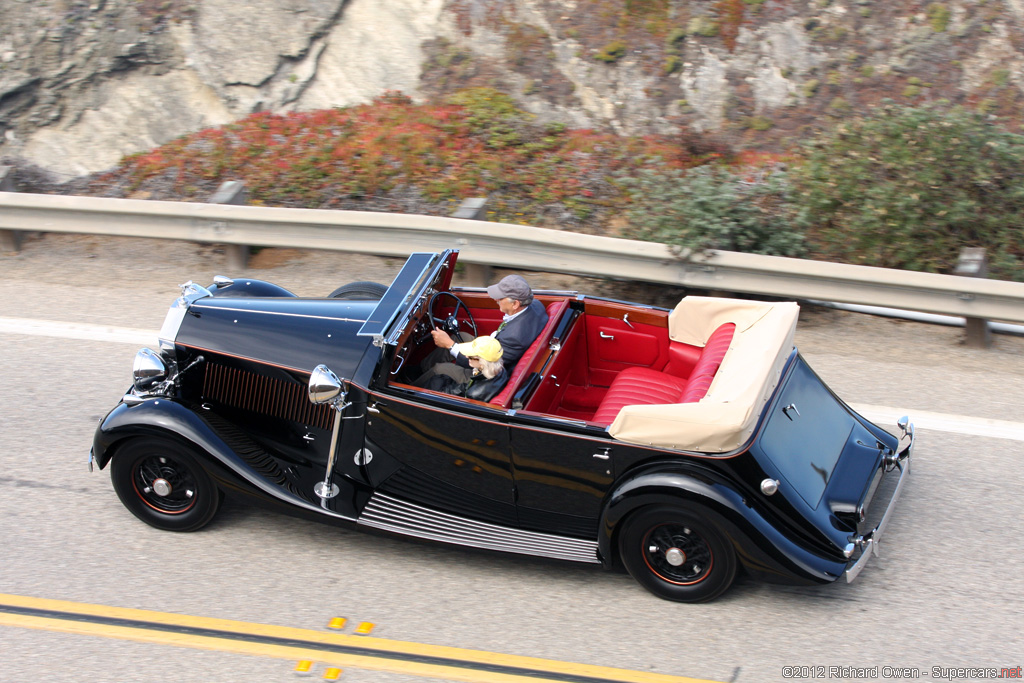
865	359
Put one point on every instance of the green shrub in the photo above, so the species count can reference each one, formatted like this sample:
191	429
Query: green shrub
494	115
759	123
711	207
675	39
703	26
938	17
908	187
987	105
839	107
1000	77
612	52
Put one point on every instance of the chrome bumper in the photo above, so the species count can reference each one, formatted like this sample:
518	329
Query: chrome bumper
869	541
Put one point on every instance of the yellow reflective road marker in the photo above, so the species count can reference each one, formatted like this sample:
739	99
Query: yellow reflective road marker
332	673
304	667
364	628
337	623
333	649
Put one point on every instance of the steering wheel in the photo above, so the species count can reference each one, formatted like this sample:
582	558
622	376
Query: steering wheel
451	323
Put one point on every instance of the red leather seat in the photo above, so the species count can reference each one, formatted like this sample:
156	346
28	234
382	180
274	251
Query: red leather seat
644	386
638	386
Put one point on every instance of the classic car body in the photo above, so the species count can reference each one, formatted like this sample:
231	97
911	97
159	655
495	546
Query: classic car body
683	445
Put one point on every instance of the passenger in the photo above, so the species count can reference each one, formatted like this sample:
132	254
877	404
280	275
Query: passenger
523	320
488	373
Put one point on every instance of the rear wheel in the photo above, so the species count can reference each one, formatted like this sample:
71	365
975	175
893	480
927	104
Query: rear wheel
676	555
359	290
162	483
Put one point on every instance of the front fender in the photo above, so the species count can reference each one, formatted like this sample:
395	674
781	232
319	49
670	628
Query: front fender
156	416
168	418
761	547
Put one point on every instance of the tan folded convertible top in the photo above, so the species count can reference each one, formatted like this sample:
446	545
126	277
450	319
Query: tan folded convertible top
725	418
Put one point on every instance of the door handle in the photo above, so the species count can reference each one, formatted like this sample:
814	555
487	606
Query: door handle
605	336
604	454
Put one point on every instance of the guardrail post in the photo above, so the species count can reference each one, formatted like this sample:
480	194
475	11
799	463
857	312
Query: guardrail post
475	274
973	262
10	240
233	192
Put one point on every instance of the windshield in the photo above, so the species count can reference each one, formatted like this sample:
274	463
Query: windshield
412	281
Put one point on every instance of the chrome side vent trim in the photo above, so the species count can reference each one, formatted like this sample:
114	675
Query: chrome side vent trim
391	514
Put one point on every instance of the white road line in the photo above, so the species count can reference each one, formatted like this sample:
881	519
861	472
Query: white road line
883	415
86	331
943	422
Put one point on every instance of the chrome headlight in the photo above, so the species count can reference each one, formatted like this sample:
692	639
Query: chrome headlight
147	370
324	385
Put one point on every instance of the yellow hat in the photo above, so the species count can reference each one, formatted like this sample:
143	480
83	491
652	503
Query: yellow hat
485	348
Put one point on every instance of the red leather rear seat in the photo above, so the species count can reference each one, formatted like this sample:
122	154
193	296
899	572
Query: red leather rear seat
643	386
638	386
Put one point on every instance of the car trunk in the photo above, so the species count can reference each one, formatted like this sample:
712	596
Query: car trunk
828	459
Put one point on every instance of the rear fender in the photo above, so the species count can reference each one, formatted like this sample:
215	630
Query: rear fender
759	546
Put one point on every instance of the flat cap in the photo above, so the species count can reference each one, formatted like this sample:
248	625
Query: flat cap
512	287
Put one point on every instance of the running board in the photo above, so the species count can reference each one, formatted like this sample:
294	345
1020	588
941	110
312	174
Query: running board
399	516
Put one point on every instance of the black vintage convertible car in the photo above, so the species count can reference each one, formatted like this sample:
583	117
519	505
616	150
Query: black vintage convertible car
684	445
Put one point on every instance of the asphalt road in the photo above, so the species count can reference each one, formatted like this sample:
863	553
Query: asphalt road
948	590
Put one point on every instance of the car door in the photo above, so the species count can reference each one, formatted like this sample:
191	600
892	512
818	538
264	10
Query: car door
562	471
441	452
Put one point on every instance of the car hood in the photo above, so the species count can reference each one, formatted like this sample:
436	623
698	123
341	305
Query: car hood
289	332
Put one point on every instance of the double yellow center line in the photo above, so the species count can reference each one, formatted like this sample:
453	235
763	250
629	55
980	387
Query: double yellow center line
333	649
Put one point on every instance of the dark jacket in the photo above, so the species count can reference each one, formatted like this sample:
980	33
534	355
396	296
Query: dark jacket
517	336
479	388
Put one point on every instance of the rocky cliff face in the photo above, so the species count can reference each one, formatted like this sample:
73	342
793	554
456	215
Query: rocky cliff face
83	82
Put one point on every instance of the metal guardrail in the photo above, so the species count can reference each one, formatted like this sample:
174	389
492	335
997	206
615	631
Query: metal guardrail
515	246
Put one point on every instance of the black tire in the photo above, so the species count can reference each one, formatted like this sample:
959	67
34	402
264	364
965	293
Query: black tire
359	290
162	483
700	566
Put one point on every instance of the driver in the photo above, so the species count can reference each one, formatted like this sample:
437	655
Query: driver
523	319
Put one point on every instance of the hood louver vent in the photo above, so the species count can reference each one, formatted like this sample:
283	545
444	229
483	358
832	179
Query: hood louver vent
265	395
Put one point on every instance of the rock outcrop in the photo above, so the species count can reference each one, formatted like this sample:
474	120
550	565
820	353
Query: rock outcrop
84	82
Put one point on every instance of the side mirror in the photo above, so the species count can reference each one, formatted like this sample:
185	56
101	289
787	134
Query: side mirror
324	385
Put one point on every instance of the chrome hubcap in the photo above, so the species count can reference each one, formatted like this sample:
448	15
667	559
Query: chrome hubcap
677	554
162	487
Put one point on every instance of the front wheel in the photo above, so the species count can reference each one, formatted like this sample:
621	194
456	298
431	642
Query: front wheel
676	555
162	483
